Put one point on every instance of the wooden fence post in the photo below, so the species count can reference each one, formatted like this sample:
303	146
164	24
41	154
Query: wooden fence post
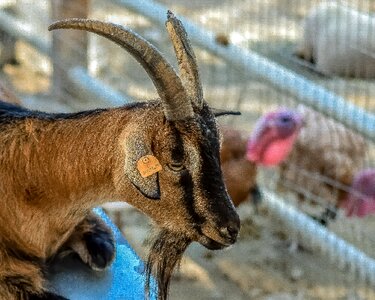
69	47
7	49
7	43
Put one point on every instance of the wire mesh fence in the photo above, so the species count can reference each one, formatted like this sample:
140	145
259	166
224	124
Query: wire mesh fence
315	177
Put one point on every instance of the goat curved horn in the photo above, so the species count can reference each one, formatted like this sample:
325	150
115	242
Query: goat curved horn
187	61
173	95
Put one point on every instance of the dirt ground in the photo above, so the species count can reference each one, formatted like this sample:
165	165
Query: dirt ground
262	264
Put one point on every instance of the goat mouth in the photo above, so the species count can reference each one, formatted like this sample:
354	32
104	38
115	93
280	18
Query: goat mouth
213	240
212	244
217	237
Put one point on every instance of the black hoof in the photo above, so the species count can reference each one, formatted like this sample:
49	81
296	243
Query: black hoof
101	248
47	296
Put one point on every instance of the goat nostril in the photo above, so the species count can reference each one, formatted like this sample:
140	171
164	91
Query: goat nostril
231	231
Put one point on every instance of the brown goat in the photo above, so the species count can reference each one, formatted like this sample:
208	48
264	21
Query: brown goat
160	156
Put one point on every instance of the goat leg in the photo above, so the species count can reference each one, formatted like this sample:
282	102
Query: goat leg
22	279
93	241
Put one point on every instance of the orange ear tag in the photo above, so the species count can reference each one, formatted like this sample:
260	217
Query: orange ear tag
148	165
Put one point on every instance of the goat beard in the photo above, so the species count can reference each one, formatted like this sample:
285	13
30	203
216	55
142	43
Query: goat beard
165	254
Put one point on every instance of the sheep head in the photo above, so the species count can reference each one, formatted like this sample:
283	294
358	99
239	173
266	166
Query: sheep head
171	156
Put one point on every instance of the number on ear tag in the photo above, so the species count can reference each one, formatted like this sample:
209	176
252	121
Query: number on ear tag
148	165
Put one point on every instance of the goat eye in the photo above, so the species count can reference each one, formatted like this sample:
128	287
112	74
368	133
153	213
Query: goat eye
176	167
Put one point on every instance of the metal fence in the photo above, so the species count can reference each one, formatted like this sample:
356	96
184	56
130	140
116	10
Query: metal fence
245	50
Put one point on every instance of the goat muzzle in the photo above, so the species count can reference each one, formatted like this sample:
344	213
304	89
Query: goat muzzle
215	236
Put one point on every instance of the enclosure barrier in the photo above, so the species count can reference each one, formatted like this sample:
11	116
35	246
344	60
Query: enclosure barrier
87	85
319	236
94	89
307	92
22	31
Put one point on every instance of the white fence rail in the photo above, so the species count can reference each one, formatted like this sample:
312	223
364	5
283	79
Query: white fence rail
249	62
344	254
307	92
89	86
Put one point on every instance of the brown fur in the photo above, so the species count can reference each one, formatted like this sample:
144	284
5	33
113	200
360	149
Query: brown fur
56	167
166	253
66	167
77	242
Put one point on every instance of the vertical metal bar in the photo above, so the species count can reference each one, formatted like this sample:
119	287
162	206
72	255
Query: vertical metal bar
69	47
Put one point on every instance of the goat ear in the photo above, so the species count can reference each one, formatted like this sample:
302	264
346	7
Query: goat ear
136	151
222	112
